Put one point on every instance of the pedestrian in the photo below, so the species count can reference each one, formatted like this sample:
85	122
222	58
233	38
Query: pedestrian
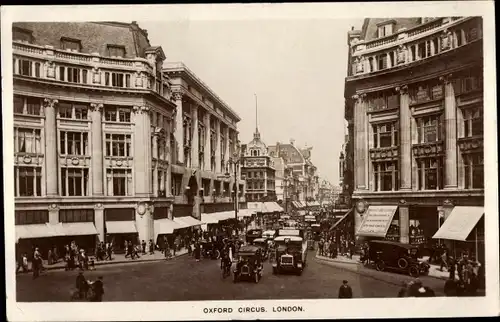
320	247
452	269
151	247
403	291
345	291
197	251
82	286
49	257
450	287
126	247
109	251
444	261
36	264
98	290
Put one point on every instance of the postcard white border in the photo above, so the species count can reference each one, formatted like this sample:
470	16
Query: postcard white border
314	309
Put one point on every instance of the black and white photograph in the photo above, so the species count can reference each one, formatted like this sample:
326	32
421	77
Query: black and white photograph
250	161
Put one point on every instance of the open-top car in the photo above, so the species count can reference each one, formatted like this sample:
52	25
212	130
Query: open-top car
397	256
249	264
291	252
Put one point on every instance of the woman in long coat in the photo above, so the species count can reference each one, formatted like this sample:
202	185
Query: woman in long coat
197	251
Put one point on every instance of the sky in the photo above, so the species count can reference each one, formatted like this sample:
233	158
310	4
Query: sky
295	67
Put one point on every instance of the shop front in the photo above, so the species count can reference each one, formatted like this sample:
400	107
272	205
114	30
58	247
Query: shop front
120	227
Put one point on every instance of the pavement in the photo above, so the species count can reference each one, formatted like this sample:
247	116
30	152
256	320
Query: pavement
117	259
184	279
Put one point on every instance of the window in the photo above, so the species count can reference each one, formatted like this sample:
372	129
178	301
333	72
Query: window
74	182
71	44
25	67
81	112
382	61
27	140
118	180
20	34
28	181
474	171
385	135
73	75
76	215
383	100
385	30
116	51
118	145
187	130
473	122
65	110
430	129
27	105
176	184
117	114
31	217
386	176
73	143
430	174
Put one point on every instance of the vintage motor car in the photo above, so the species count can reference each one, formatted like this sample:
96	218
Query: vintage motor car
252	234
263	245
397	256
210	249
249	264
290	254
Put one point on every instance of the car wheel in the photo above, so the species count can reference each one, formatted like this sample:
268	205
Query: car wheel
402	263
414	271
380	266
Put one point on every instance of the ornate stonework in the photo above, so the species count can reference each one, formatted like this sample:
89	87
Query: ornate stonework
359	65
428	150
468	145
50	102
96	107
446	79
381	154
401	54
140	109
177	95
402	89
446	40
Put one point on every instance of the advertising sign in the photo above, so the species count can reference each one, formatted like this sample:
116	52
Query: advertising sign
377	221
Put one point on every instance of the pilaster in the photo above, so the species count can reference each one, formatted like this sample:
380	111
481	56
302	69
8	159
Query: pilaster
217	147
144	221
360	142
178	133
404	223
450	123
155	170
99	221
405	129
53	214
206	155
97	150
195	153
226	152
142	151
50	130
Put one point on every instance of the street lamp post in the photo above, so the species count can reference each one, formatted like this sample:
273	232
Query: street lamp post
235	160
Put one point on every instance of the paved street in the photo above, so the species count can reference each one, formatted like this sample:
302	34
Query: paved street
184	279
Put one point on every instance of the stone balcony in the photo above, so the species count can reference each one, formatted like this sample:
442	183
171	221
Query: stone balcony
407	46
81	69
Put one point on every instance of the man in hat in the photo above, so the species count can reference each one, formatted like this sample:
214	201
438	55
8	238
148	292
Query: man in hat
82	286
345	291
98	290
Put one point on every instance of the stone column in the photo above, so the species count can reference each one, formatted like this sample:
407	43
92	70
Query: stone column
404	224
168	179
405	138
195	153
142	153
226	154
97	150
99	221
155	155
179	132
360	143
207	152
450	123
217	147
51	170
144	221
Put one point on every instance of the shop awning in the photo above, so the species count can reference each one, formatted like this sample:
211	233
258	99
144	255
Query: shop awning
341	219
187	221
36	231
376	221
164	226
121	227
210	218
79	229
460	223
272	206
242	213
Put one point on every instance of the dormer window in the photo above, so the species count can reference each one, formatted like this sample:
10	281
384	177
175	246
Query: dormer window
385	28
71	44
116	51
21	34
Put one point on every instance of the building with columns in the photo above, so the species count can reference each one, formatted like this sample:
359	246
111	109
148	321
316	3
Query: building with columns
414	105
95	131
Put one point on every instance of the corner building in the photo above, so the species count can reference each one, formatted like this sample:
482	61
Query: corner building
95	131
414	105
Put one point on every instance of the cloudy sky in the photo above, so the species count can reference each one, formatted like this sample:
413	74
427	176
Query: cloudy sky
296	68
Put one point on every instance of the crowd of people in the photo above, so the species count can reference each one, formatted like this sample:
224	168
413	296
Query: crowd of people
332	246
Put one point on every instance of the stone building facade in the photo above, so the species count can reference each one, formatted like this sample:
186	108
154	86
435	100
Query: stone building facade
414	105
96	120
